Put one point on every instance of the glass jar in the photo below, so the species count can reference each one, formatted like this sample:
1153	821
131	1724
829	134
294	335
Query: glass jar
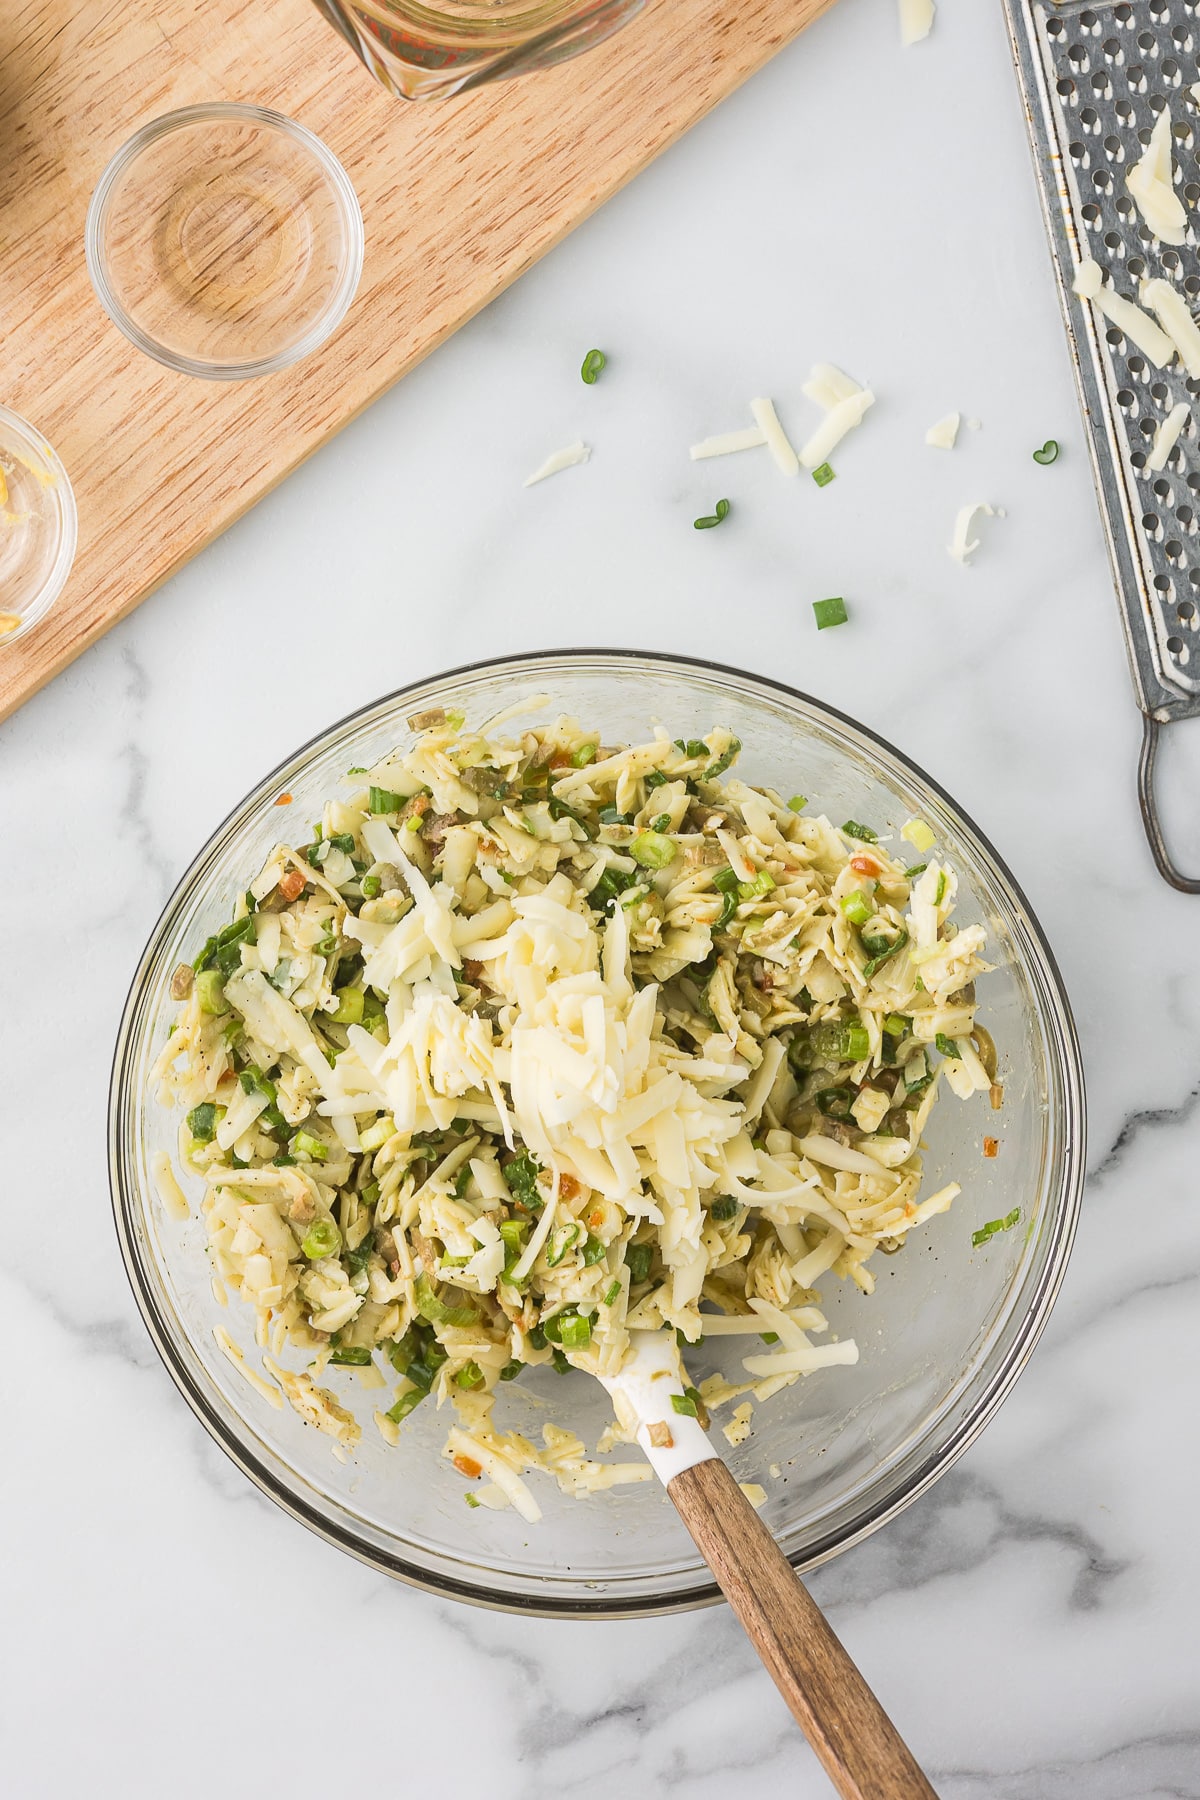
419	51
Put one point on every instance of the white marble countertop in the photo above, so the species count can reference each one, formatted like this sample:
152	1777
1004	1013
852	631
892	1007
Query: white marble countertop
1031	1621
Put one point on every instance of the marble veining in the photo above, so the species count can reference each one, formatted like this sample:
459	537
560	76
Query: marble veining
1031	1621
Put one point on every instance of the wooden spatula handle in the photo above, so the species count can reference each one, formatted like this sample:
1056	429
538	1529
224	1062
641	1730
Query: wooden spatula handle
864	1755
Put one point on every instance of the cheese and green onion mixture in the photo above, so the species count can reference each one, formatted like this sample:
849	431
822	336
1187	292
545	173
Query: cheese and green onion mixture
535	1040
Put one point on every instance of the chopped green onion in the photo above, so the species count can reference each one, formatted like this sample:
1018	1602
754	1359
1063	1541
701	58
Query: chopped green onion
350	1356
561	1365
857	907
654	778
511	1370
829	612
513	1232
882	955
639	1257
371	886
946	1045
349	1008
560	1242
725	1207
692	747
661	823
344	841
202	1121
456	720
994	1225
593	364
327	945
413	823
713	518
575	1331
835	1103
210	991
593	1252
382	800
321	1239
358	769
608	815
583	755
769	1337
432	1307
1047	454
683	1403
910	874
798	802
722	762
520	1174
471	1499
824	475
612	1293
835	1041
404	1406
896	1025
469	1376
865	835
306	1145
763	882
652	850
941	888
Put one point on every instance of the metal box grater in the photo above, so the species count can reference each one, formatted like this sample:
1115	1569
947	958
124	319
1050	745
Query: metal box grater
1094	79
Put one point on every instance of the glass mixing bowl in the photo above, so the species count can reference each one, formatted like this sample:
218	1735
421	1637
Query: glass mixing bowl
943	1337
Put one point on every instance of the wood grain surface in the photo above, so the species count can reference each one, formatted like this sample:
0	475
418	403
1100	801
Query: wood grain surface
862	1752
459	197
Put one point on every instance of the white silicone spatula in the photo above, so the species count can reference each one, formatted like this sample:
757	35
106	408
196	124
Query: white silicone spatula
862	1752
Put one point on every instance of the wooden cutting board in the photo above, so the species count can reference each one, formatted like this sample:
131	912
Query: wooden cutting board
459	197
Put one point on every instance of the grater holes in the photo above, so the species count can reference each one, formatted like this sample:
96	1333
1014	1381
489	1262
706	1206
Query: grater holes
1102	85
1124	111
1173	551
1101	179
1147	44
1066	89
1137	267
1158	391
1091	213
1170	72
1182	37
1179	651
1115	149
1079	56
1193	482
1185	612
1088	21
1137	79
1170	261
1125	206
1078	153
1151	525
1137	368
1124	399
1113	51
1054	28
1162	490
1122	14
1164	586
1089	118
1185	518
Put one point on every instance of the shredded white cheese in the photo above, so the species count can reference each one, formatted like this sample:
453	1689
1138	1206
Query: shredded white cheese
845	404
1174	315
916	21
753	438
1137	325
962	546
776	438
561	459
1151	182
1167	436
944	435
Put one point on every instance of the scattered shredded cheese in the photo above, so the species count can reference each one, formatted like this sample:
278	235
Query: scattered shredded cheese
169	1190
767	420
1167	436
962	546
1174	315
944	435
916	21
561	459
755	1494
920	835
1137	325
1151	182
230	1350
753	438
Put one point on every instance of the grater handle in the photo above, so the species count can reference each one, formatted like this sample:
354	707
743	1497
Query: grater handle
1186	884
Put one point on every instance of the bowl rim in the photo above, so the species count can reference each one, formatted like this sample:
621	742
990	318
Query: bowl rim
340	296
833	1541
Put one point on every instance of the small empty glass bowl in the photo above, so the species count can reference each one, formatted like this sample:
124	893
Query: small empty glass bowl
37	527
943	1337
225	241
